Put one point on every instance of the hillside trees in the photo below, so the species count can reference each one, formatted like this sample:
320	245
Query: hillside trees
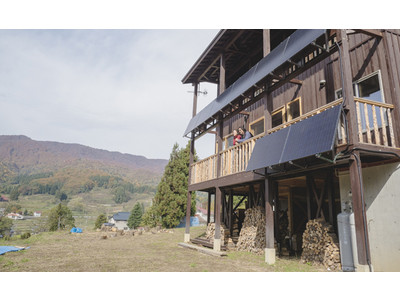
169	206
60	217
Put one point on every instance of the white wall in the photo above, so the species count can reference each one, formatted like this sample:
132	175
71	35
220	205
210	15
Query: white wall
382	198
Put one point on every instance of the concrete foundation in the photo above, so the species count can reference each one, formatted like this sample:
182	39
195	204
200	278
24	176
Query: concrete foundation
270	256
381	194
362	268
217	244
186	237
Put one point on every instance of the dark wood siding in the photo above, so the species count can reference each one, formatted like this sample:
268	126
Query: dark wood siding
368	54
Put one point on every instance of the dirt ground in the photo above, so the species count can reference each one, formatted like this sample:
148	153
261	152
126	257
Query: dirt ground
150	252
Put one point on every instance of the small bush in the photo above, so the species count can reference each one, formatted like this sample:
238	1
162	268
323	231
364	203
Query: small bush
7	238
25	235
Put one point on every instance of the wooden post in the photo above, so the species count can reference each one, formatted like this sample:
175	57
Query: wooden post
275	193
189	194
231	212
348	87
266	42
208	208
269	223
217	217
394	80
361	237
290	212
218	193
308	182
191	159
222	82
195	99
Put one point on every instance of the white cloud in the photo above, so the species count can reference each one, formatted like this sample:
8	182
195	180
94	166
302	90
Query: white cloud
118	90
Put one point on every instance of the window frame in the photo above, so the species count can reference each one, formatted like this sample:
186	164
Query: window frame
356	93
257	121
285	111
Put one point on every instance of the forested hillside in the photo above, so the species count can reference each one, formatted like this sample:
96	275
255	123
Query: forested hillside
32	167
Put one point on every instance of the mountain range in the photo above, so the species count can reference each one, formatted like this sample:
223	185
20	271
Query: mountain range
22	155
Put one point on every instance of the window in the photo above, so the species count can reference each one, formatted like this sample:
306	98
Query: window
257	127
370	88
228	141
277	117
286	113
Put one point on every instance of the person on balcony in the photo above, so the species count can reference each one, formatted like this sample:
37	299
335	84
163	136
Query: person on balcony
246	134
236	137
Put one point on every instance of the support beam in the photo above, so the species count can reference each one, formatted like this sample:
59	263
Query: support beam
217	217
196	86
230	212
269	223
359	211
266	42
347	88
308	182
189	194
222	76
370	32
208	208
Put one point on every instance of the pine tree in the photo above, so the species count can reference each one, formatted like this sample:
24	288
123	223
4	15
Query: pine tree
136	216
60	217
171	196
100	220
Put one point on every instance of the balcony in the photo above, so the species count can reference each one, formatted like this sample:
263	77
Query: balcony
377	129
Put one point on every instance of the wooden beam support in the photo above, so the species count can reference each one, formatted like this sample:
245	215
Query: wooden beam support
266	42
370	32
209	208
217	217
347	89
309	188
189	194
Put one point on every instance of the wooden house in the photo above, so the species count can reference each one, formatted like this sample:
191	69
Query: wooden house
323	109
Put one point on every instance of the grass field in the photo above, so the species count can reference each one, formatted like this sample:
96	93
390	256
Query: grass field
150	252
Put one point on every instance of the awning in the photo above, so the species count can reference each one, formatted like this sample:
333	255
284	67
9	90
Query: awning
300	39
306	138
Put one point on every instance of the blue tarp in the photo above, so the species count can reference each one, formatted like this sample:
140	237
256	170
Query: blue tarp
76	230
194	221
4	249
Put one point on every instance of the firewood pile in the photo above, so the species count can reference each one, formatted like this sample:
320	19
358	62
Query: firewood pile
252	234
321	245
210	232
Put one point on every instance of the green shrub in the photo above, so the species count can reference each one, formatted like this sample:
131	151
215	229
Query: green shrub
25	235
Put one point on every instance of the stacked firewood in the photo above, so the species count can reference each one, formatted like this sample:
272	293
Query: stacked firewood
320	245
252	234
210	232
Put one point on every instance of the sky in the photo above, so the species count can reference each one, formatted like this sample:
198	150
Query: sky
118	90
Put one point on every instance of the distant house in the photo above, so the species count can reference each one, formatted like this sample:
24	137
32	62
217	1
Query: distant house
37	214
3	199
15	216
120	220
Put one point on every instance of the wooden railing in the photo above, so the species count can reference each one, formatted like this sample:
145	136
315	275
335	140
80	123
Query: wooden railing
204	170
374	122
376	128
236	158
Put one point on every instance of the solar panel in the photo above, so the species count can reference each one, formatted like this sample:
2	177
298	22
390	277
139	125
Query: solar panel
279	55
303	139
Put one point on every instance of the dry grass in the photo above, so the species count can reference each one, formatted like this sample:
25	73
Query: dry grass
159	252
